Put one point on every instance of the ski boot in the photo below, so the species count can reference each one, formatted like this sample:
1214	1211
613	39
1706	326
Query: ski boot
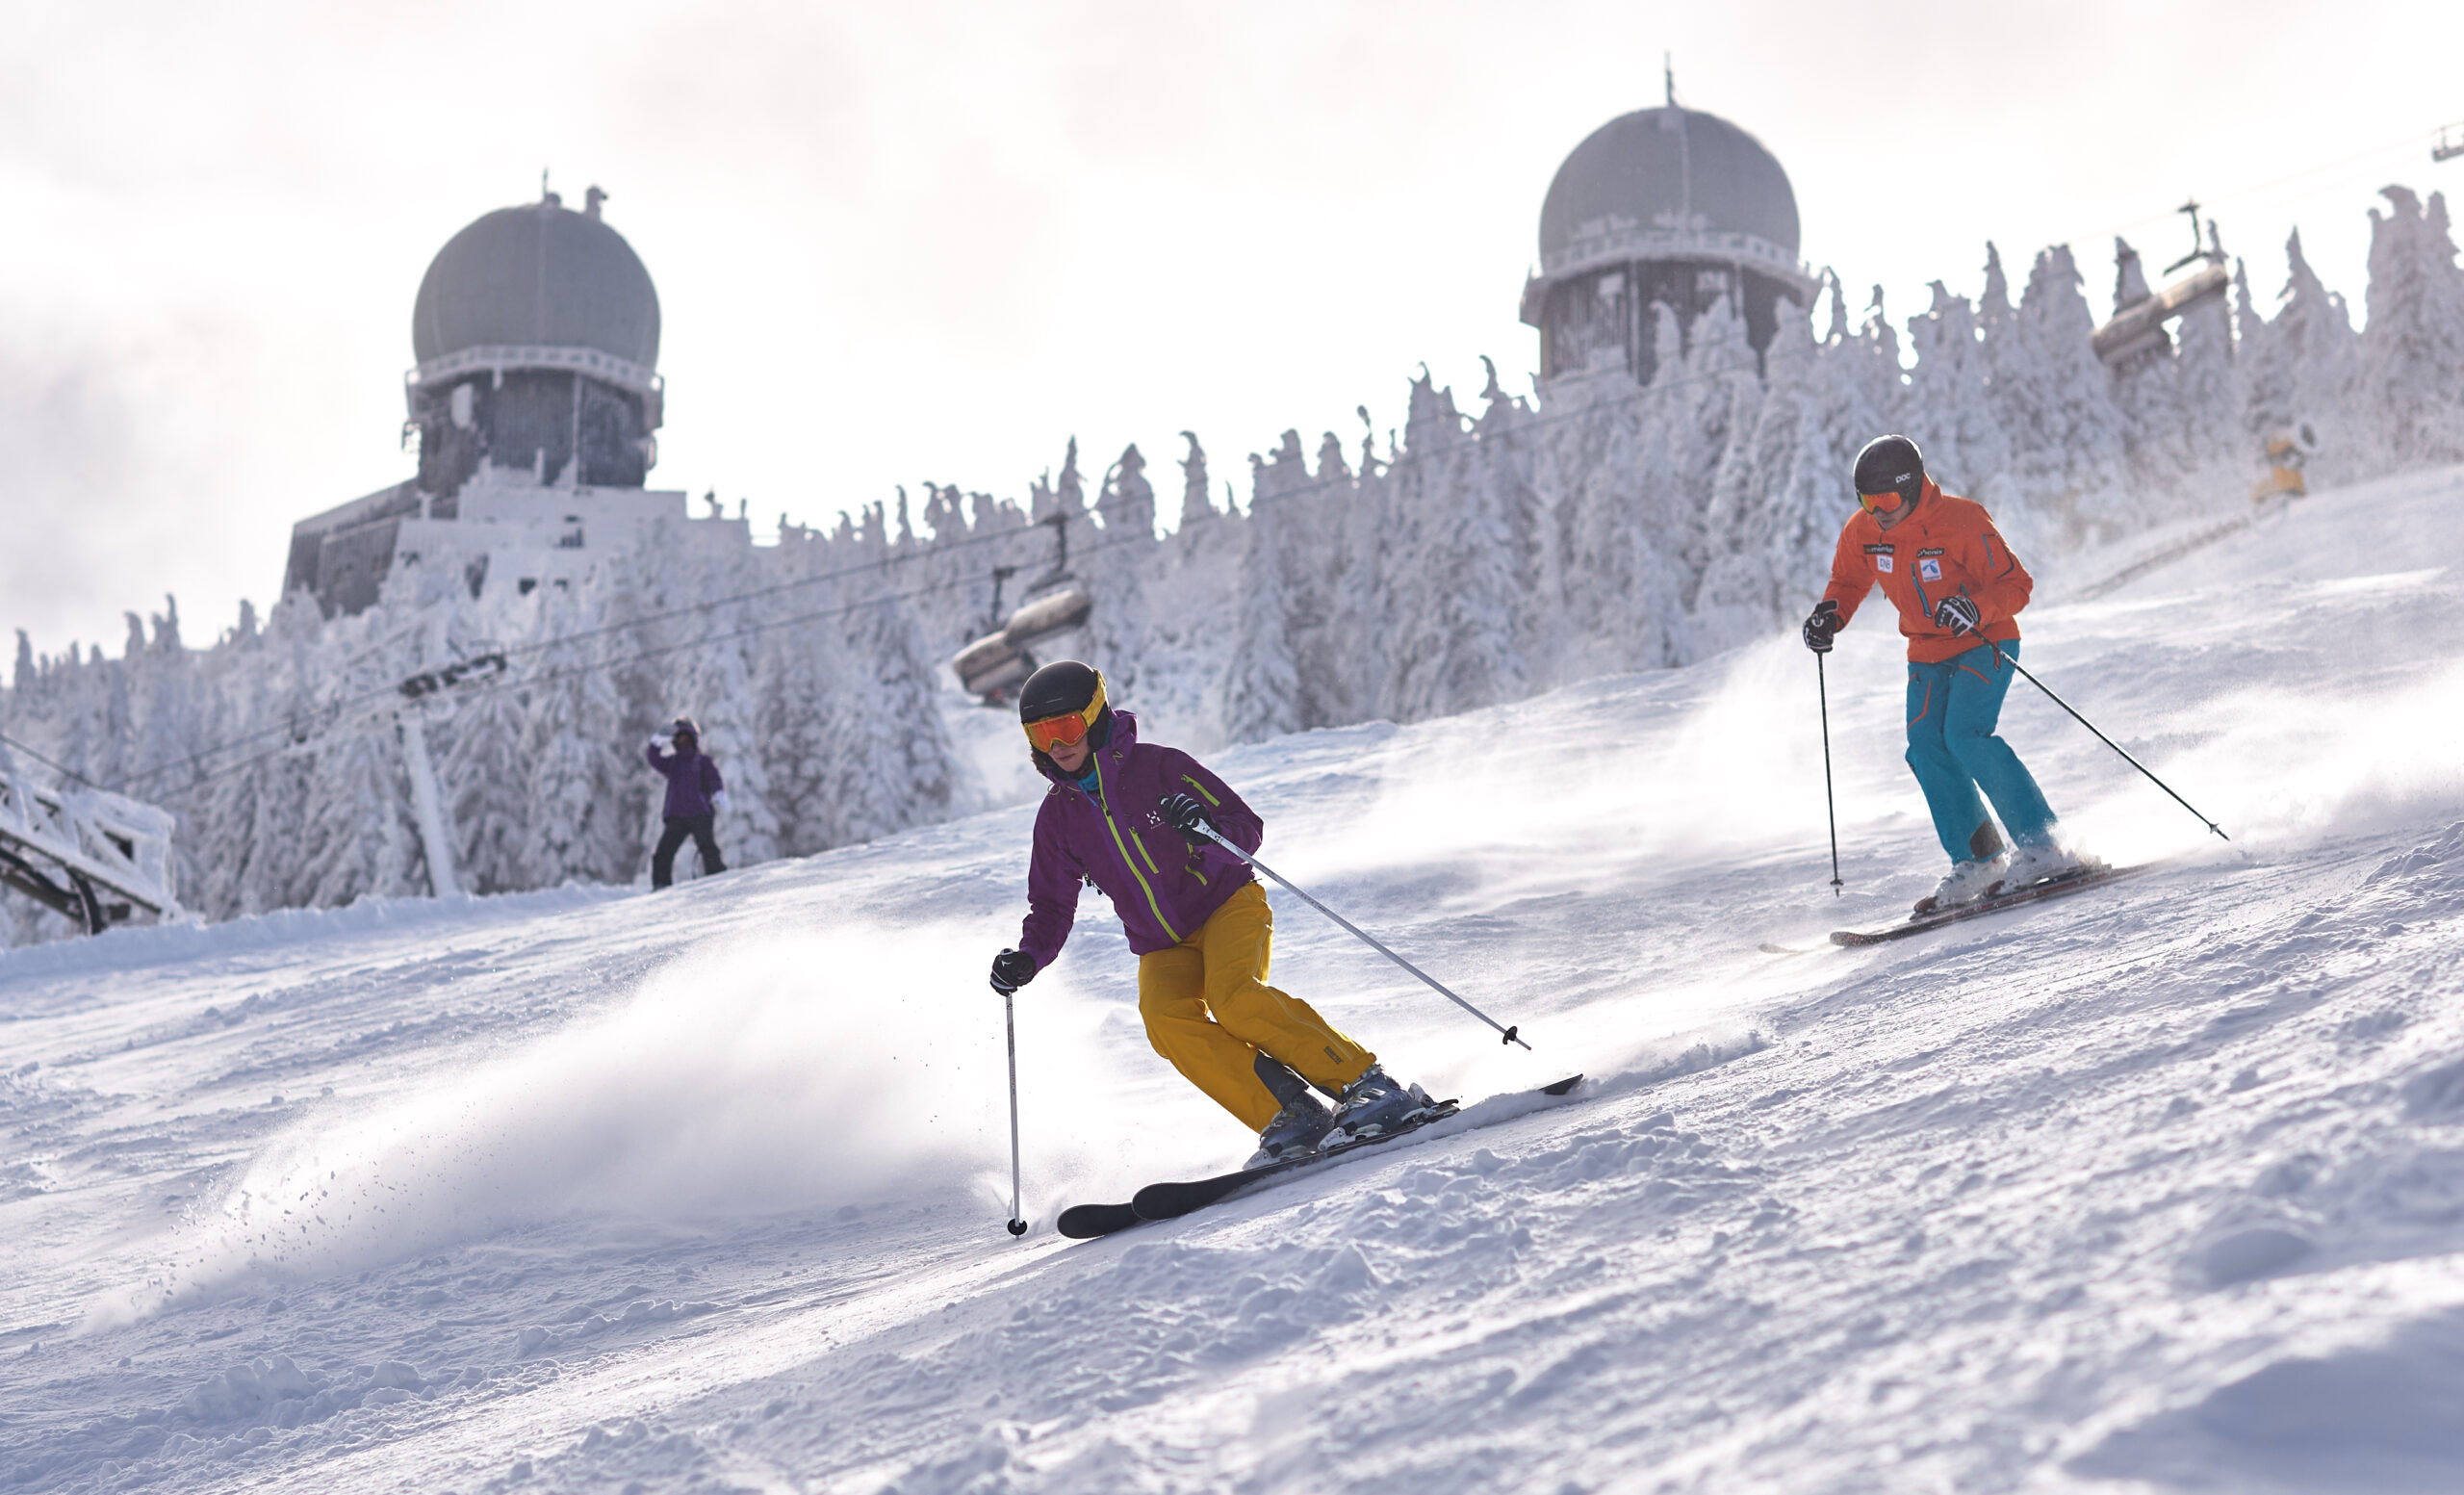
2042	862
1967	881
1372	1105
1296	1129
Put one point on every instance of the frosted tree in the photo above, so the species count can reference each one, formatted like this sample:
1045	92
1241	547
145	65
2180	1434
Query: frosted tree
887	761
2210	383
356	838
1198	502
2412	351
1797	455
725	702
799	717
575	746
1950	407
2303	368
1261	688
2147	389
1119	570
2054	397
486	790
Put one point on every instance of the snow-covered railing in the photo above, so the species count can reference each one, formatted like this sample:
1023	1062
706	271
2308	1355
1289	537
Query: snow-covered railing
94	837
498	357
1615	241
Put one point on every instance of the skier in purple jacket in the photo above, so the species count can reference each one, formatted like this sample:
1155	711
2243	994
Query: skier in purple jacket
1126	816
695	795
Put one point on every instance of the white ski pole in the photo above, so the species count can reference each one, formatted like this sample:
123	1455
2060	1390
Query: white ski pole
1009	1017
1212	835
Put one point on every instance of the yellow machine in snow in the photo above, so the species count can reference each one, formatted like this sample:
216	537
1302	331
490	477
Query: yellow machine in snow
2288	451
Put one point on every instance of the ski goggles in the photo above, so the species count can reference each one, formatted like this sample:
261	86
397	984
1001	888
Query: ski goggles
1069	728
1886	502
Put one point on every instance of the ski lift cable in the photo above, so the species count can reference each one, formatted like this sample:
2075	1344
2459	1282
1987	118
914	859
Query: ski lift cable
40	756
2409	142
390	688
333	714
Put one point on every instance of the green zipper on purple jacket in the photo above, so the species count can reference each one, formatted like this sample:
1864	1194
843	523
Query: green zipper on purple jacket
1104	808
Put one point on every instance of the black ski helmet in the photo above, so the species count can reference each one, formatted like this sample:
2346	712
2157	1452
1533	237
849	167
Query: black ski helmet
1891	464
1062	687
684	727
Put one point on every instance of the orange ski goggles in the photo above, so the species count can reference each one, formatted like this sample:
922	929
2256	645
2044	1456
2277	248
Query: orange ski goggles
1071	727
1887	502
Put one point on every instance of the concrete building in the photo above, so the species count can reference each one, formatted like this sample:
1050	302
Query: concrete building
537	401
1667	205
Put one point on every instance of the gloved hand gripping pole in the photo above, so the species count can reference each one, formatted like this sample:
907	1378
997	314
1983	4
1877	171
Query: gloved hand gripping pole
1511	1033
1010	1015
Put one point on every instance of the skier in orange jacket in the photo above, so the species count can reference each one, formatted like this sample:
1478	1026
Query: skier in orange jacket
1958	592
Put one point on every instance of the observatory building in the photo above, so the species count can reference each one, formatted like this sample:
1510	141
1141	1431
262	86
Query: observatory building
1670	205
537	401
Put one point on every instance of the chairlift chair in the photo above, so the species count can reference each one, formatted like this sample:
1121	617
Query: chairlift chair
998	662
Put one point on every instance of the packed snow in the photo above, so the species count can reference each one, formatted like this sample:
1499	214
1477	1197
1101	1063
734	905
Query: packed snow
2158	1187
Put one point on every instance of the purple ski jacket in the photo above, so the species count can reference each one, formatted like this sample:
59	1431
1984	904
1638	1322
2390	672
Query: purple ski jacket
1163	888
689	791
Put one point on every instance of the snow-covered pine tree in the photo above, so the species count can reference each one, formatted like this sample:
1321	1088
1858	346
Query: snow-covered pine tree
584	823
2146	390
2412	348
802	672
1950	408
1197	501
2305	368
888	763
1262	683
2058	406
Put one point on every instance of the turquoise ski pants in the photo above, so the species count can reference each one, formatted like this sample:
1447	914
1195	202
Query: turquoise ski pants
1952	708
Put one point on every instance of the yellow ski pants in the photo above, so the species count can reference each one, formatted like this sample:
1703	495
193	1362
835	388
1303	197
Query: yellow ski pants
1209	1010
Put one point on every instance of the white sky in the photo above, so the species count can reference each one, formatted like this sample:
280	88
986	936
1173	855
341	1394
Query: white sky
932	242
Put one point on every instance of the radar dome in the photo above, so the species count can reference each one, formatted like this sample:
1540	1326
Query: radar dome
1670	208
536	277
1667	174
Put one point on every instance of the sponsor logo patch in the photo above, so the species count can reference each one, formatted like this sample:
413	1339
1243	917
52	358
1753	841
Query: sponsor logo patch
1929	567
1881	562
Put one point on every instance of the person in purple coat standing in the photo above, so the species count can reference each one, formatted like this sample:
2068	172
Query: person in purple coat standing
1131	818
695	796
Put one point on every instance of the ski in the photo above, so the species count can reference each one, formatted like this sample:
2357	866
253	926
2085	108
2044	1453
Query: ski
1084	1221
1170	1200
1993	903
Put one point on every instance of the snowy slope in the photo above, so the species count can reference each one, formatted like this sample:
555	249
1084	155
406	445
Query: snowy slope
2160	1187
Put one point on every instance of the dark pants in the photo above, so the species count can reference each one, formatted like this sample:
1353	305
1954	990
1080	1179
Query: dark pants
679	827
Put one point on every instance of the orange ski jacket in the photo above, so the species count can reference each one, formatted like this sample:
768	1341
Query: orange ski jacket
1947	545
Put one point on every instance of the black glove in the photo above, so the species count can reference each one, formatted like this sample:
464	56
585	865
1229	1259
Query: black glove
1820	625
1012	970
1957	612
1185	814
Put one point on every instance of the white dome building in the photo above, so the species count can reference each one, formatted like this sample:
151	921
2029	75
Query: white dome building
536	398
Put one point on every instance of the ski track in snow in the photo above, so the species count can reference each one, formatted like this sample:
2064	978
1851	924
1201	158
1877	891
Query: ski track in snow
2154	1187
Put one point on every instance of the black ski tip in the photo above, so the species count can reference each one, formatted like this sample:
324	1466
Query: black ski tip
1017	1228
1562	1087
1085	1222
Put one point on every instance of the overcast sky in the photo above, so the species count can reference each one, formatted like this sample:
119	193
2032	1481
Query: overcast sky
896	244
